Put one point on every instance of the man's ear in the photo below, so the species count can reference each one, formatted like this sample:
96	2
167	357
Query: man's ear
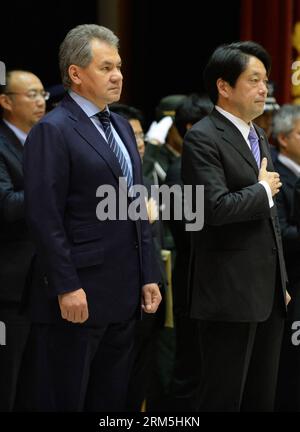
282	140
74	74
5	102
223	87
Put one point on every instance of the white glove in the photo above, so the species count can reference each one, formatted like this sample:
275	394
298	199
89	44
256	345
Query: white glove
158	132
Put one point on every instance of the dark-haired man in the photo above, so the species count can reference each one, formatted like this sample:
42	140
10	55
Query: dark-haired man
238	276
22	102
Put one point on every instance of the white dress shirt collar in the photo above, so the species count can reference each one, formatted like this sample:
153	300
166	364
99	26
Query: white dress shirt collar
242	126
86	105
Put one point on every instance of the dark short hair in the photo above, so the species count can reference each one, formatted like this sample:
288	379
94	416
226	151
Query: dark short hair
229	61
193	108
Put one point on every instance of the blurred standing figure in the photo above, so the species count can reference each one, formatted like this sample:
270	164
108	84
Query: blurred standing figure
97	271
286	131
187	365
143	381
163	143
238	278
22	102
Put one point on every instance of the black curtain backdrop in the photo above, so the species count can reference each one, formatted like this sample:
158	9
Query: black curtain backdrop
172	42
169	43
31	32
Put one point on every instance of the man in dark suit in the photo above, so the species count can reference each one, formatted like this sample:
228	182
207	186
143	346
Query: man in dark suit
187	368
286	131
22	101
238	278
97	271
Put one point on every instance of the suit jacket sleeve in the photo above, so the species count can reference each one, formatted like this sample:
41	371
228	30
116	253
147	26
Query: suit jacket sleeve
46	175
202	165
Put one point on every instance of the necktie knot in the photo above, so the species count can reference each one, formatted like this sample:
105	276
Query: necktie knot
252	134
104	118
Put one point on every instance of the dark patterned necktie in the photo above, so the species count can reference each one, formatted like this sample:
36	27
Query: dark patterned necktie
114	146
254	143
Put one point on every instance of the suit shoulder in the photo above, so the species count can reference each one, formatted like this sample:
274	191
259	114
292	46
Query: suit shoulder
56	117
204	123
54	121
203	128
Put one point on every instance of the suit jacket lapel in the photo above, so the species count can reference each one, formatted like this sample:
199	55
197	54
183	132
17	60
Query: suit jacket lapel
233	136
87	130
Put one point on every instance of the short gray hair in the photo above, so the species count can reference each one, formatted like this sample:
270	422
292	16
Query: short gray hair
285	118
76	47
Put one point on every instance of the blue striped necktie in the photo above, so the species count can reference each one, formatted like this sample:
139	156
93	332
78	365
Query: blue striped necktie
114	146
254	143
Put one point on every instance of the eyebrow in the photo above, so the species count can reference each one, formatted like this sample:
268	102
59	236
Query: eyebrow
109	63
259	73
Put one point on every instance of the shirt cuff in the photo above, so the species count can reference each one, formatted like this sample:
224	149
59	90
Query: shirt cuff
269	192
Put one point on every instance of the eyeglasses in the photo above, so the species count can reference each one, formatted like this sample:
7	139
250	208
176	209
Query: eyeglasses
32	94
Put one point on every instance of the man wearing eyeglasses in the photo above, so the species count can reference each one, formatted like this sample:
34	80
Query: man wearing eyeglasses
22	102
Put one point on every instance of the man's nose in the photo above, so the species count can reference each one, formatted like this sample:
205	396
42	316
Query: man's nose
40	101
117	75
263	88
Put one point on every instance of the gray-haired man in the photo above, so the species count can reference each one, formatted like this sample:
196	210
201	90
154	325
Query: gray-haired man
97	274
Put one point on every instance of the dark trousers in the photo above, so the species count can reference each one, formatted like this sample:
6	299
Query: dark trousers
17	330
240	362
142	374
185	383
74	368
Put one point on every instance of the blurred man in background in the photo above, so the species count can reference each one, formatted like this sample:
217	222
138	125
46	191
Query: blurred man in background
22	102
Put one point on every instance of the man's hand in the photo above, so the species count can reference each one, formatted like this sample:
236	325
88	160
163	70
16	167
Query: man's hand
151	297
73	306
272	178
